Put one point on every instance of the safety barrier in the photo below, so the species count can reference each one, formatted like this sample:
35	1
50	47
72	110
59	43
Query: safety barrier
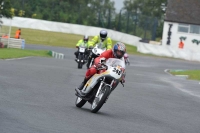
13	43
56	55
167	51
155	48
38	24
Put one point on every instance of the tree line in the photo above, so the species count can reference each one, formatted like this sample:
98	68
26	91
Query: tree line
100	13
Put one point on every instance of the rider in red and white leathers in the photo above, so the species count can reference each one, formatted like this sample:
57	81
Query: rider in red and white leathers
118	51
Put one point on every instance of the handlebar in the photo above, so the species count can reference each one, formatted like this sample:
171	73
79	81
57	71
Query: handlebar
103	66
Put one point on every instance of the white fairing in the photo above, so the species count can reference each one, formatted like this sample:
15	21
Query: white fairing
115	73
97	50
114	66
82	49
113	70
115	62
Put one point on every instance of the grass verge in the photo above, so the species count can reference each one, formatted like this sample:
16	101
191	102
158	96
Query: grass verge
193	74
41	37
7	53
50	38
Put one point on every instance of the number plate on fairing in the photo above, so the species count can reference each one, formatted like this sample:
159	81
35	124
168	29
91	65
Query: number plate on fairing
82	50
116	72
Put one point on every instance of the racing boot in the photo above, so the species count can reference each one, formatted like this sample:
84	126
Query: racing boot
76	54
78	89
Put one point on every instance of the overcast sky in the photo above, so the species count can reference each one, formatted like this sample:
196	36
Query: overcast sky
118	4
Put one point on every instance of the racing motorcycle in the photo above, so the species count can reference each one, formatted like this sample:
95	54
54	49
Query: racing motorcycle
95	52
81	60
99	86
126	58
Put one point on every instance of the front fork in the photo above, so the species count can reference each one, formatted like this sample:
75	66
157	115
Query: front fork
102	82
100	86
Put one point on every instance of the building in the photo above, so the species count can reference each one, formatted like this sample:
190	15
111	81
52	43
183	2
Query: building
182	25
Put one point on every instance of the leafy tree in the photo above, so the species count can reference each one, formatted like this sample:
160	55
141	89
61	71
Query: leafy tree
100	13
71	11
5	9
147	13
146	7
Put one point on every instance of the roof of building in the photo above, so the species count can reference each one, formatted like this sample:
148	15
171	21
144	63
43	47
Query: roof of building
183	11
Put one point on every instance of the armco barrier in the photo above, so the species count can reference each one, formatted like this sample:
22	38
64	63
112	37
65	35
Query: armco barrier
13	43
56	55
168	51
69	28
159	50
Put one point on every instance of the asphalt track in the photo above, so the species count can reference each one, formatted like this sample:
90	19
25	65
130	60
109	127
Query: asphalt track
37	96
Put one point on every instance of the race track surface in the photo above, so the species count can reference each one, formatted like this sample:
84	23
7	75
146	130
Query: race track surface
37	96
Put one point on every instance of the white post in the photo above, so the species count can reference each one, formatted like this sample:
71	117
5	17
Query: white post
9	31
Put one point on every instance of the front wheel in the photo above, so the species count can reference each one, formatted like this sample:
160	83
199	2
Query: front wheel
80	102
90	61
80	64
100	99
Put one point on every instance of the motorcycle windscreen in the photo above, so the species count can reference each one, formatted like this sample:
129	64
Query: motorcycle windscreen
115	62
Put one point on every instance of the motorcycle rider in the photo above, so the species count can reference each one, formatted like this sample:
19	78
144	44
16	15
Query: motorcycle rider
83	42
126	58
102	37
118	51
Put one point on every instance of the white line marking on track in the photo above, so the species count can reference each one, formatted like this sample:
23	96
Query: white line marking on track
18	58
180	87
189	92
167	71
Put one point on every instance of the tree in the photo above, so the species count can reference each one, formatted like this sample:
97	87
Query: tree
147	14
87	12
5	9
146	7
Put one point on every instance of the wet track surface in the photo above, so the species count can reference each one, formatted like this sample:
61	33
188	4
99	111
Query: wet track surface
37	96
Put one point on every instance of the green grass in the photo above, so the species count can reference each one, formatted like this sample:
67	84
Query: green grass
193	74
41	37
32	36
6	53
50	38
57	39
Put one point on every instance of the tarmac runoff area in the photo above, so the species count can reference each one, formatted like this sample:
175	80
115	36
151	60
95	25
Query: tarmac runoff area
38	96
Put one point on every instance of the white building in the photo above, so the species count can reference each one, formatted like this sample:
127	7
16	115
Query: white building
182	22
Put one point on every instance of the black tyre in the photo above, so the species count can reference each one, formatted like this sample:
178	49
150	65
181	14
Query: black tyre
100	100
80	102
88	62
91	62
80	64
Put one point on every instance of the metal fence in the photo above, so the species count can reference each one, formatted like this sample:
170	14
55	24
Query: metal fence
134	24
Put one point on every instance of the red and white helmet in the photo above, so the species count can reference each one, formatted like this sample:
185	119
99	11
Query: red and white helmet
119	49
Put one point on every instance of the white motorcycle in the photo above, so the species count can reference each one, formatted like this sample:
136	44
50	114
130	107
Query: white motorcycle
96	51
98	88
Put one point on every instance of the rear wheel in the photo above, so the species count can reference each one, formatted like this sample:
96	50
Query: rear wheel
100	99
80	102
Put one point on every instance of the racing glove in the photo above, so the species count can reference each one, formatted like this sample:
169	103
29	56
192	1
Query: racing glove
123	76
100	63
